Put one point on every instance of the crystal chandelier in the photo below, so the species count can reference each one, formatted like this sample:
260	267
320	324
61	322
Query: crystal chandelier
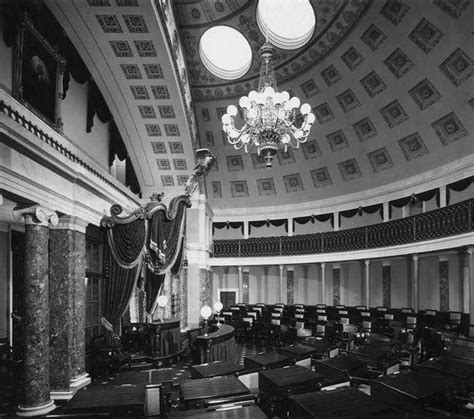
270	116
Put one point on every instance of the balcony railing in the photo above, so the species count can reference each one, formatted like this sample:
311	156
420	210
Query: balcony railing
443	222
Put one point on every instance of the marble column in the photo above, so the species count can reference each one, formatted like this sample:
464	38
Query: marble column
306	284
183	295
281	283
245	285
443	283
367	282
67	307
240	297
470	286
467	254
205	287
35	317
386	284
323	283
290	285
336	281
415	281
266	282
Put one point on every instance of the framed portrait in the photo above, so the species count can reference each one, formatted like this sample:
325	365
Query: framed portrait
38	72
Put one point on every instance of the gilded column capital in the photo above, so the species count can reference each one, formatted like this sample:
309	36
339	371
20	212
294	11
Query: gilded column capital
36	215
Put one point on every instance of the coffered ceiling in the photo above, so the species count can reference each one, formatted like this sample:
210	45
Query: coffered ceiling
390	83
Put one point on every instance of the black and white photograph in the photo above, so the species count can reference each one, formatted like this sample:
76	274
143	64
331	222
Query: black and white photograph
233	209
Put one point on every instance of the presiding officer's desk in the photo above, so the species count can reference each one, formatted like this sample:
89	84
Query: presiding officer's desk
218	345
160	339
165	337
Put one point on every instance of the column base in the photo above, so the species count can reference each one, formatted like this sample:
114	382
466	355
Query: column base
80	381
62	395
76	384
36	411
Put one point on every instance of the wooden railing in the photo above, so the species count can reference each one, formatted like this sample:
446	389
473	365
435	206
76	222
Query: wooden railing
443	222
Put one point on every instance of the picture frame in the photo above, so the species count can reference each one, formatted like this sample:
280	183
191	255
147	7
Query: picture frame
38	72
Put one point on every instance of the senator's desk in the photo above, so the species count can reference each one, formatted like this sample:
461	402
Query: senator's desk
120	401
214	369
194	393
297	352
244	412
413	390
217	346
463	370
339	369
266	360
164	338
276	385
339	403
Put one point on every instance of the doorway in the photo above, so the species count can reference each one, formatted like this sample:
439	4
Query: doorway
228	297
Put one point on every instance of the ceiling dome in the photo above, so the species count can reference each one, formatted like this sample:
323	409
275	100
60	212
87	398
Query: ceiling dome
225	52
288	24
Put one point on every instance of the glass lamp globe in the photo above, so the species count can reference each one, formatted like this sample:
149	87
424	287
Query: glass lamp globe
206	312
162	300
218	306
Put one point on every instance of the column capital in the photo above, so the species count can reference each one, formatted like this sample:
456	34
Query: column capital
240	268
70	222
36	215
443	258
282	267
336	266
290	268
323	265
415	258
386	263
470	250
367	262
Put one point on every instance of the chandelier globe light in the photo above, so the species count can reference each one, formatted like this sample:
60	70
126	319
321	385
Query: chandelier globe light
271	120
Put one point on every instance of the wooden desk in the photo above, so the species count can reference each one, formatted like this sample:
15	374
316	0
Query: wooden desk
217	346
412	390
214	369
165	338
152	376
245	412
195	392
297	352
118	400
266	360
276	384
339	403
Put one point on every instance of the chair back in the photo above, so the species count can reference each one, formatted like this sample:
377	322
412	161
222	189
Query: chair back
249	379
153	400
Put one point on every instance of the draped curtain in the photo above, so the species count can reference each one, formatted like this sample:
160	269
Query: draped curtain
155	238
125	255
458	187
165	246
322	218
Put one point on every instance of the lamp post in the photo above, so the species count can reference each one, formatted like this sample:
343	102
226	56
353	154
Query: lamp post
206	312
162	301
218	307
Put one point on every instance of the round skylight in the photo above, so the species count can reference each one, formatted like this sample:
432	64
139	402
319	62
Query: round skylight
225	52
288	24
